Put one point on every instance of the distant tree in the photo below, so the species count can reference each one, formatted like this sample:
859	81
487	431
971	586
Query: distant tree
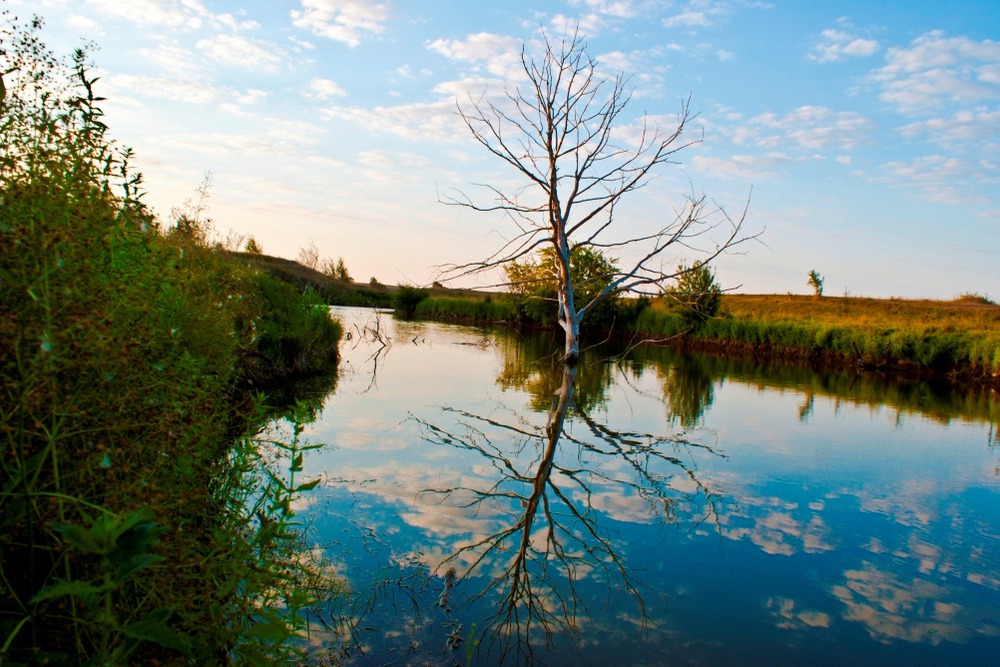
253	247
559	132
336	269
696	295
816	282
340	271
309	256
373	281
191	224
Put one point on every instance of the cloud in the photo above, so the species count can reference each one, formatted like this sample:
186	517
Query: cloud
936	70
979	127
324	89
187	14
416	121
617	8
808	127
171	13
749	167
479	47
185	90
687	19
942	178
239	51
837	45
342	20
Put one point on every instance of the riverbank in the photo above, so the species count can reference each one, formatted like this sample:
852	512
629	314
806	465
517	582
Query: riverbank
144	518
955	340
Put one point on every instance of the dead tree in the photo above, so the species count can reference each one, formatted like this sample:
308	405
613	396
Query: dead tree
557	132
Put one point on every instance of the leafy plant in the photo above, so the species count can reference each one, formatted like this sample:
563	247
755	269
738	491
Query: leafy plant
696	296
406	299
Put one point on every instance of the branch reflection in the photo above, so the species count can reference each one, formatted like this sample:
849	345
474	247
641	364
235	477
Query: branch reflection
559	485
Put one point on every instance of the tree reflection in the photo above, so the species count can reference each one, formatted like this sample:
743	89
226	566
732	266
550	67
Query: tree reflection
554	483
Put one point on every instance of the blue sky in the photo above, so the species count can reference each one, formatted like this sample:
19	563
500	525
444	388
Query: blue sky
868	132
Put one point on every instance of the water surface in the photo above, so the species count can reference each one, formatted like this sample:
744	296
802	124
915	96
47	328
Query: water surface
653	508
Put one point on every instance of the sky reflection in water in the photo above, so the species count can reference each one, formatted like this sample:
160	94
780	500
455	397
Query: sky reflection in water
690	512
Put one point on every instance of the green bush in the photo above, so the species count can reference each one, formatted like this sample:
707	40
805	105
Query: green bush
696	296
406	299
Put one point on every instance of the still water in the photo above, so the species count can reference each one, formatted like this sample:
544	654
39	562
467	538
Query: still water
652	508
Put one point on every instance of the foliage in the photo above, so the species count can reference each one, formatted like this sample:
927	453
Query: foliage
123	354
533	284
336	269
253	247
816	282
696	295
406	298
466	309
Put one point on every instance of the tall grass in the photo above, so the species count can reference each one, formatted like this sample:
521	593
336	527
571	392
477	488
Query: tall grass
957	337
466	309
123	489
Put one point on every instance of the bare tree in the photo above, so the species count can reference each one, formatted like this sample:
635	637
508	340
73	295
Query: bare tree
557	132
309	255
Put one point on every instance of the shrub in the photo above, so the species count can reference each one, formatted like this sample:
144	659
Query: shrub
696	296
406	299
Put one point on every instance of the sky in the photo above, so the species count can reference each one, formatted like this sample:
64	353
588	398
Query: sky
865	135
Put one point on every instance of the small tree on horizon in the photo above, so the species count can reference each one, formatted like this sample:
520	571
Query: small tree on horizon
309	256
816	282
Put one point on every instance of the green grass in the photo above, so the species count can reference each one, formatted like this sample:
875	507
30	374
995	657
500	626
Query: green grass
961	336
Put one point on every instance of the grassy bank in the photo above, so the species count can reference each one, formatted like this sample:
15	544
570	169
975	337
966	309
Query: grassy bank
143	519
959	338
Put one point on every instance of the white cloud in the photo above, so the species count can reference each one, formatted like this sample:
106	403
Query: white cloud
324	89
184	90
238	51
342	20
808	127
837	45
479	47
942	178
616	8
587	25
171	13
417	121
979	127
687	19
747	167
500	54
936	70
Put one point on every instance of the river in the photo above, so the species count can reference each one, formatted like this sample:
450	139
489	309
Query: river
486	507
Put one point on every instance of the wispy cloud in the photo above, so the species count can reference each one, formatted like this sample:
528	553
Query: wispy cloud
943	178
240	51
937	70
837	45
324	89
500	54
187	14
808	127
342	20
976	128
746	167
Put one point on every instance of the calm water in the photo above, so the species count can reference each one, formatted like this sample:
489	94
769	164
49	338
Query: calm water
654	509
